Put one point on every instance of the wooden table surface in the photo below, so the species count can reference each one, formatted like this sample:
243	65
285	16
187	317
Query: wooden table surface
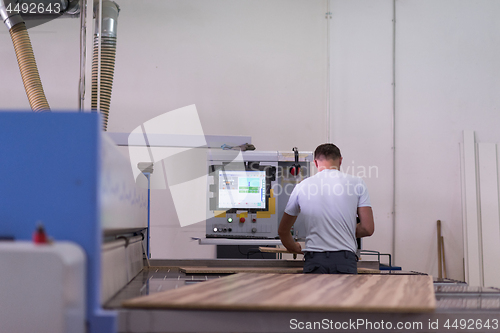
299	292
232	270
277	270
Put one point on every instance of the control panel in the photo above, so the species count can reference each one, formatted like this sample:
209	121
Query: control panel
248	192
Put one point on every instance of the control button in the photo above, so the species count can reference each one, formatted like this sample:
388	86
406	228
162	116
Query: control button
224	229
254	220
242	220
215	229
229	229
230	219
220	229
254	230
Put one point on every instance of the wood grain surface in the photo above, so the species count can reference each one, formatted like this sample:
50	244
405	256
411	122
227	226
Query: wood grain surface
277	270
299	292
273	249
232	270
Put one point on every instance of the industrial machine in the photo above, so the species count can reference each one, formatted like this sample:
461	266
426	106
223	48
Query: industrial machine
61	170
248	191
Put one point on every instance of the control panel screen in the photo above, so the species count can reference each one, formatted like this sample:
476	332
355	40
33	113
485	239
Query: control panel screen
242	189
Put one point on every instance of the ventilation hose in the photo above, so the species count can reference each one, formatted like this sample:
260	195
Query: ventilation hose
109	16
25	57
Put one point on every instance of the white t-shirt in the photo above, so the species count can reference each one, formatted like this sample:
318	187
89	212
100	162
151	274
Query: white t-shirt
329	202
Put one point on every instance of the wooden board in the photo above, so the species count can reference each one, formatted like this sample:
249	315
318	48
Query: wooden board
277	270
490	219
299	292
273	249
232	270
472	250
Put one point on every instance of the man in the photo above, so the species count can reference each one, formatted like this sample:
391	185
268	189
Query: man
330	201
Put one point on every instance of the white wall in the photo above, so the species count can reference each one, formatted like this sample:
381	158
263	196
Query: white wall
362	102
446	76
255	68
447	79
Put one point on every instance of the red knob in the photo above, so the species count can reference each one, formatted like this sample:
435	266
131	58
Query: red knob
295	170
39	236
254	220
242	220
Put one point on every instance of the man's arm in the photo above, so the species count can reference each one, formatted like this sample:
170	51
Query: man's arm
366	227
284	229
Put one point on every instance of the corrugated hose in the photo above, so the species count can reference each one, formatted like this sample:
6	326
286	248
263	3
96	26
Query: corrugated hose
28	68
106	25
108	54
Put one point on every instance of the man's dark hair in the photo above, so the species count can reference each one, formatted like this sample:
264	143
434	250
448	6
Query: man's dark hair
328	150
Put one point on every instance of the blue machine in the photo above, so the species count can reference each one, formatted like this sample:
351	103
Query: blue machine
59	168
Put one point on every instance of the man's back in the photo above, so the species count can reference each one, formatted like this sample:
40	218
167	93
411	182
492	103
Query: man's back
329	201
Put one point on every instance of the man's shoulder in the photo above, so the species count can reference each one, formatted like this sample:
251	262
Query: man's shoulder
351	177
303	182
336	174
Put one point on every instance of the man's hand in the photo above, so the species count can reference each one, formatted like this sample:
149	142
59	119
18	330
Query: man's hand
296	248
284	229
366	227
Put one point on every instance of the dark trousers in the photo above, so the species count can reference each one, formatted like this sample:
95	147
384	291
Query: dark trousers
336	262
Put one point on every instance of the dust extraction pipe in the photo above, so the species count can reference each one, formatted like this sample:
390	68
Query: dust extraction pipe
109	21
25	56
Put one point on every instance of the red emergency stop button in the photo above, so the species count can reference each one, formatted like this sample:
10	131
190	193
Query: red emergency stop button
242	220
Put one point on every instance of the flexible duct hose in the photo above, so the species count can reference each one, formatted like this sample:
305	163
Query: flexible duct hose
28	68
107	25
108	53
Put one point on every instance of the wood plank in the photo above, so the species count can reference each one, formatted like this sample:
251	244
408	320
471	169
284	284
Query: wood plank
464	213
277	270
299	292
473	269
444	258
232	270
276	250
439	247
490	219
273	249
